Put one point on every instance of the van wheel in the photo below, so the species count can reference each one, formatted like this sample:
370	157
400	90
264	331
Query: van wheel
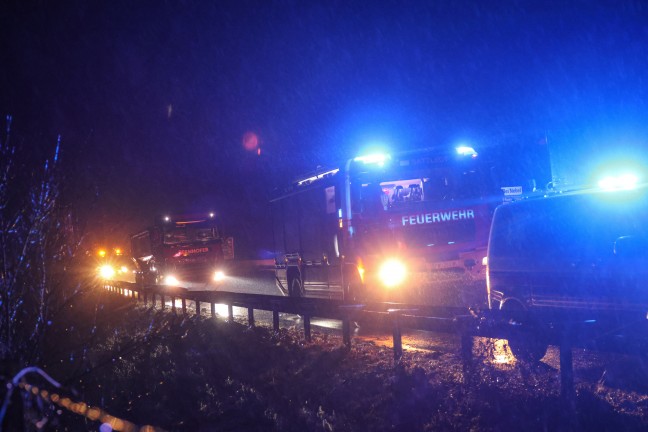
527	348
526	341
296	288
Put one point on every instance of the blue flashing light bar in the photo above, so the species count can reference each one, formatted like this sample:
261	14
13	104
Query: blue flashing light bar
378	158
466	151
622	182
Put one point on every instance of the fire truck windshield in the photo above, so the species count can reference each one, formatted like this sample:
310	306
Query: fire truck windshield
424	205
389	192
188	234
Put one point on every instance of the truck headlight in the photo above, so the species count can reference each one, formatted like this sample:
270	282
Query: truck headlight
171	280
106	271
219	275
392	273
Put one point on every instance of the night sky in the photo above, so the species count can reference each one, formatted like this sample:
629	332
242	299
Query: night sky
153	99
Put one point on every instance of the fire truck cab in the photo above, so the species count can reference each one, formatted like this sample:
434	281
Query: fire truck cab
411	227
182	248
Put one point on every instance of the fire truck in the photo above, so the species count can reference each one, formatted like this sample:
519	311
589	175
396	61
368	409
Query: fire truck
182	248
410	227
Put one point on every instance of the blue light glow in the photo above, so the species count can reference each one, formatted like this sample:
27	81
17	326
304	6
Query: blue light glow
620	182
466	151
377	158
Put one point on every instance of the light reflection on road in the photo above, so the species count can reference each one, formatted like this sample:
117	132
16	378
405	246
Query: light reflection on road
263	282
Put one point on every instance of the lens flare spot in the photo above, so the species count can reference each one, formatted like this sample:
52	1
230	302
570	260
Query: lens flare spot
250	141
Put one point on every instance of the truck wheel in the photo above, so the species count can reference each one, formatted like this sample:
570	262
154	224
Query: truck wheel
296	288
526	341
354	294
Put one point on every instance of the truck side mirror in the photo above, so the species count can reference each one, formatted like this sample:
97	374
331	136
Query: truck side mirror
228	248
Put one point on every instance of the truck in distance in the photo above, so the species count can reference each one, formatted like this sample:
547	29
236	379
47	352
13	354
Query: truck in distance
180	249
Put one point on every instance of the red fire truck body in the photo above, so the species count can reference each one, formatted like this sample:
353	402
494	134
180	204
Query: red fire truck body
411	227
182	248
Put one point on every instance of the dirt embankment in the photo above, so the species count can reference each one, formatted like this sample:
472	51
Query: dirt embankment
200	374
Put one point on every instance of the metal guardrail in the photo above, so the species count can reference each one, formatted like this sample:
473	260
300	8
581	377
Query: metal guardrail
397	315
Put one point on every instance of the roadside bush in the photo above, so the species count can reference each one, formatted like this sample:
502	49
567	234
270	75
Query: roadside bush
37	243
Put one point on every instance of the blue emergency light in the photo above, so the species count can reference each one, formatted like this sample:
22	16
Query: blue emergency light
466	151
376	158
619	182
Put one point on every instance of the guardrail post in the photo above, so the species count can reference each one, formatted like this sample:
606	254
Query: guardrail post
212	306
398	339
197	302
230	312
566	370
307	328
275	320
466	350
346	332
347	312
251	317
184	305
275	316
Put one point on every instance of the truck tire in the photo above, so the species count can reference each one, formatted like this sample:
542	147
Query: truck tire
354	293
526	342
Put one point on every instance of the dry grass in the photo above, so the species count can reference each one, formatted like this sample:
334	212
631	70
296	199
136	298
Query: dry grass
191	374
